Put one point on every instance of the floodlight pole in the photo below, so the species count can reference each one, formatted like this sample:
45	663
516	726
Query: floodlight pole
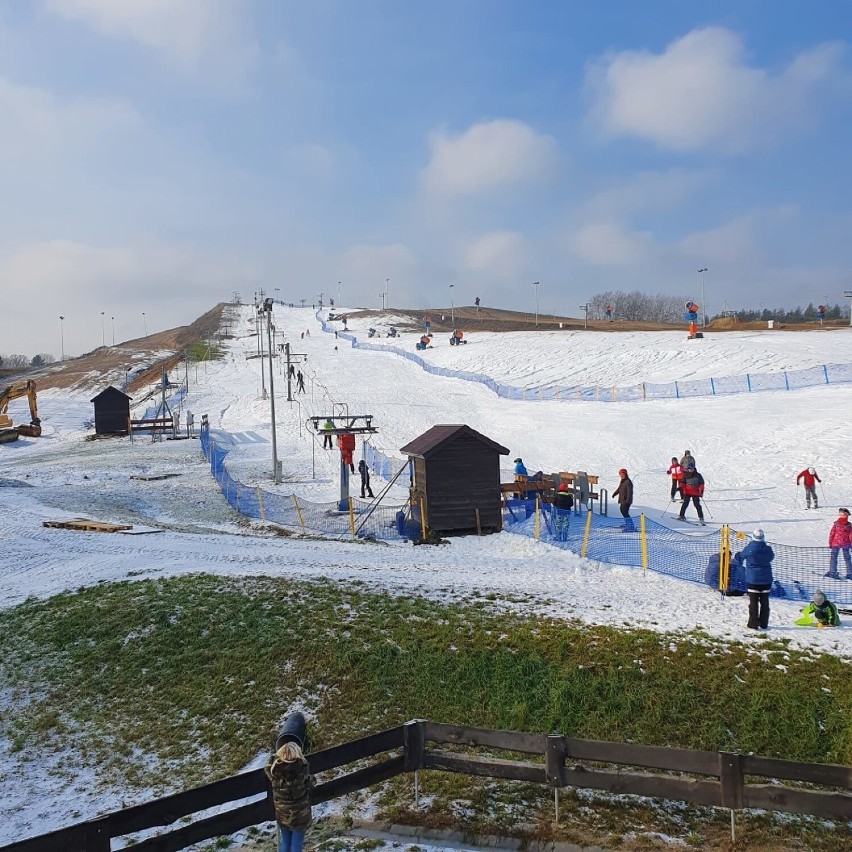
260	312
535	287
585	309
103	333
452	307
387	290
276	472
848	295
62	335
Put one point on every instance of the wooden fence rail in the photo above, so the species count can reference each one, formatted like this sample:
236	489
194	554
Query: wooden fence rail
565	762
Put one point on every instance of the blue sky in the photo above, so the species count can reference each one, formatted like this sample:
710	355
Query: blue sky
157	155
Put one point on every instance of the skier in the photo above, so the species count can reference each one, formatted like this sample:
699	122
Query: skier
840	539
693	490
327	428
758	556
687	460
365	478
822	610
624	492
292	372
675	471
810	476
300	382
563	503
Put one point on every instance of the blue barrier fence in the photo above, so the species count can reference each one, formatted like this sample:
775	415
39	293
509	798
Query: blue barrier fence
798	571
824	374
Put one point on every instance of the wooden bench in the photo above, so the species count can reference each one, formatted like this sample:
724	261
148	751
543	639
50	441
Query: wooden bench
155	423
545	484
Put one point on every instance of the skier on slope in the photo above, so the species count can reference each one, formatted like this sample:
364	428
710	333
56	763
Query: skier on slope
675	471
693	490
810	477
840	541
687	460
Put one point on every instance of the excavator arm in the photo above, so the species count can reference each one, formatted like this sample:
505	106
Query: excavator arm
8	432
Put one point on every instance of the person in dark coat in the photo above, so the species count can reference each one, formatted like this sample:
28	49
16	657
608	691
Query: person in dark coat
624	492
563	503
300	382
291	780
687	460
758	556
364	470
693	491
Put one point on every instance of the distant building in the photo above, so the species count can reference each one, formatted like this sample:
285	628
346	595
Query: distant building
456	480
112	411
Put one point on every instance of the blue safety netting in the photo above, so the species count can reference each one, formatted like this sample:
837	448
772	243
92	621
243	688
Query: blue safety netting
367	519
798	571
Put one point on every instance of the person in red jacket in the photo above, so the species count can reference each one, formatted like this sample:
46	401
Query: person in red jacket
811	478
675	471
840	539
693	490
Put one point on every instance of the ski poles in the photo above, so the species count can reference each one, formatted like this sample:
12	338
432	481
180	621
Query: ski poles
704	502
822	490
671	500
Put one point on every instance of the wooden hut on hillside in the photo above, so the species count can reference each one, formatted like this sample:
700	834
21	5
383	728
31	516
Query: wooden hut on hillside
456	480
112	411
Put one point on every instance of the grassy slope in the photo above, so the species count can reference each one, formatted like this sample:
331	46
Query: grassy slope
178	668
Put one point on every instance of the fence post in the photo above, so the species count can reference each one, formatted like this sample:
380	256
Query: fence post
537	521
585	544
97	836
414	747
298	512
351	516
825	373
643	542
786	381
748	381
724	558
260	503
712	386
554	765
643	390
677	391
423	519
731	778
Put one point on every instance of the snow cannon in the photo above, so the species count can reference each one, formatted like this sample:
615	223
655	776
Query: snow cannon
371	332
423	343
292	731
393	332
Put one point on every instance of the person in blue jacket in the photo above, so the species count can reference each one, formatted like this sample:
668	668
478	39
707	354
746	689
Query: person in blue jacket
758	556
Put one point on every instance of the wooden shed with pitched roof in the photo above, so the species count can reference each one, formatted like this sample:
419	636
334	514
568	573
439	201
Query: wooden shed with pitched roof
112	412
456	480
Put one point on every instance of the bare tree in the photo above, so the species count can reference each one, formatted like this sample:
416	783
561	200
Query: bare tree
637	306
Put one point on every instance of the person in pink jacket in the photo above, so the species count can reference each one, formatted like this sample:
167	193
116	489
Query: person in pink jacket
840	538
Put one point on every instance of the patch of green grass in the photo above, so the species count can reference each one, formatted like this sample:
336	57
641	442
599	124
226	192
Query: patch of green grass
145	679
203	350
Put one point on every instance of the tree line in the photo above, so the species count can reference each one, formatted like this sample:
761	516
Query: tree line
21	362
642	307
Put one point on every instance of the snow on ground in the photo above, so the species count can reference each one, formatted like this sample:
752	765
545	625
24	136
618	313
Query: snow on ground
749	448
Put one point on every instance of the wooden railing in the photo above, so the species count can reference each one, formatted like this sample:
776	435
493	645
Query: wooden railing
567	762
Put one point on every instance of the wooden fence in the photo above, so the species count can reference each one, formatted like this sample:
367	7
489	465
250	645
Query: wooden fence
717	779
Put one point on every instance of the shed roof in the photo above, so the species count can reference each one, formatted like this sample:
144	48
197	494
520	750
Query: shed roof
112	392
433	439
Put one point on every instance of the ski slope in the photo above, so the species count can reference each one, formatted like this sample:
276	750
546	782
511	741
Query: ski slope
749	448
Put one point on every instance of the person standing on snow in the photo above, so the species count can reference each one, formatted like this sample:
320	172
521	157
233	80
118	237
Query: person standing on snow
840	539
300	382
563	503
327	429
758	556
364	470
624	492
811	478
675	471
693	490
687	460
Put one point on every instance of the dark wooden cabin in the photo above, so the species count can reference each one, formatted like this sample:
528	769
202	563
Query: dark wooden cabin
456	473
112	411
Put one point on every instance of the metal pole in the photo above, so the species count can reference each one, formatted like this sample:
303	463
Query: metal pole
275	477
535	286
387	298
62	335
145	322
452	307
703	306
289	383
103	332
262	374
848	295
113	330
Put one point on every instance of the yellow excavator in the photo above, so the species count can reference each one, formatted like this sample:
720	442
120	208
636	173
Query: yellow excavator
8	432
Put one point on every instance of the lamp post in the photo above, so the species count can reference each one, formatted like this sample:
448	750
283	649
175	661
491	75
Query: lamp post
277	294
103	333
387	283
382	297
62	335
452	307
339	298
113	330
145	323
535	287
848	295
703	305
585	309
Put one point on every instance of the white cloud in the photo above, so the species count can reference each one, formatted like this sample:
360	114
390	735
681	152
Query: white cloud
611	244
499	254
34	123
701	93
192	33
487	156
646	191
